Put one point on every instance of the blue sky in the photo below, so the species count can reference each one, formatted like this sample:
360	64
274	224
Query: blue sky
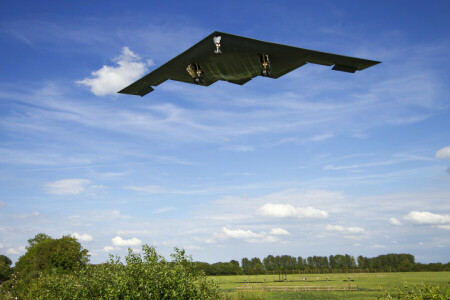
314	163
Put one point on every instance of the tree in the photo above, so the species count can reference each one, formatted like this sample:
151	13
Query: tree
40	237
142	276
45	254
5	269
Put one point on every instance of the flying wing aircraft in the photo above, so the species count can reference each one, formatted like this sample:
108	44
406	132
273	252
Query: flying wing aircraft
237	59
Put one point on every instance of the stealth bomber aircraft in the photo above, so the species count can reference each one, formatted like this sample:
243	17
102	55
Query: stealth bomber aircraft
237	59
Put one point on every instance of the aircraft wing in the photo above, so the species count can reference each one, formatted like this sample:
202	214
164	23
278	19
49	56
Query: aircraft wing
237	59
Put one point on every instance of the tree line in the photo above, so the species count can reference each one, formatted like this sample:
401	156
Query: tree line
320	264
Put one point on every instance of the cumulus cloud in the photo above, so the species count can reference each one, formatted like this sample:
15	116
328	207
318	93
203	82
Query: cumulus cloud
279	231
352	233
239	233
443	153
72	186
16	251
111	79
425	217
395	221
108	248
287	210
253	237
351	230
119	241
83	237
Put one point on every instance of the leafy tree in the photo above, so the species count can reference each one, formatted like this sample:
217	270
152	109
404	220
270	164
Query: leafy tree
5	269
45	254
142	276
40	237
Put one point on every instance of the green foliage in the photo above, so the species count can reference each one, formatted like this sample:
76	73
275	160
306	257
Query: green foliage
40	237
220	268
423	291
5	269
146	276
45	254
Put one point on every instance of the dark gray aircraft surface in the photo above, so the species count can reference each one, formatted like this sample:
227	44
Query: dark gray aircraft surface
237	59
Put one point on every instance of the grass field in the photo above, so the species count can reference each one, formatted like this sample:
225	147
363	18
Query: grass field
371	285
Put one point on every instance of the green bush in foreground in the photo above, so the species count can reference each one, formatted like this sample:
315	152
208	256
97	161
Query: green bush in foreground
424	291
143	276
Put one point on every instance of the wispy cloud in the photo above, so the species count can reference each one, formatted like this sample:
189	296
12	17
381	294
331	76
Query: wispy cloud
398	159
149	189
27	215
72	186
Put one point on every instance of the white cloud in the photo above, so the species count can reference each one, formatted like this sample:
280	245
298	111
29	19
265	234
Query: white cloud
252	237
150	189
127	232
445	227
83	237
72	186
108	248
164	209
321	137
239	233
354	233
239	148
119	241
425	217
110	79
379	246
266	239
25	216
279	231
443	153
191	247
16	251
287	210
2	203
395	221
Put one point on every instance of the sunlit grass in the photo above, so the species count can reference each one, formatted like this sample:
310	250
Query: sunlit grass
371	285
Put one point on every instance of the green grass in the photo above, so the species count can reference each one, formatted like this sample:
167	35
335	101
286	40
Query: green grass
371	285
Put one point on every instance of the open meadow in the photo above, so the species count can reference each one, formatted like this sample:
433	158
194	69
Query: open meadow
370	285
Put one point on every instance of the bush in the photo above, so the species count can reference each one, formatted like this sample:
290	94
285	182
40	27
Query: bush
146	276
425	291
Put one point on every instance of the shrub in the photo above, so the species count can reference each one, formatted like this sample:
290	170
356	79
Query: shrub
146	276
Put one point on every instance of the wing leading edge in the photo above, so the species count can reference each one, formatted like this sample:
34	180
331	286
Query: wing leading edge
237	59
